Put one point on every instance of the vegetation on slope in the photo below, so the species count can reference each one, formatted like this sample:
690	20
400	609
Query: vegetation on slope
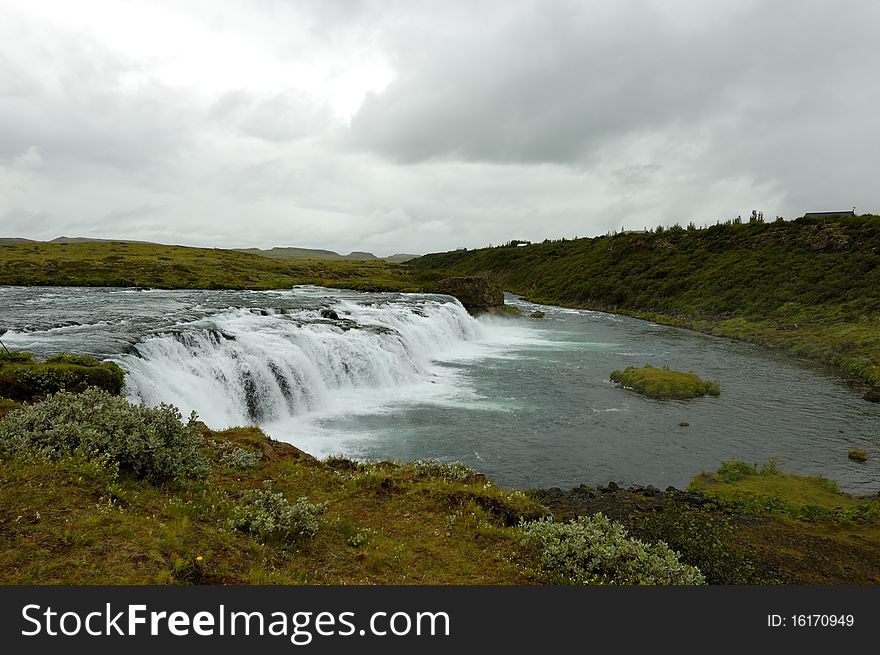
96	490
810	286
22	377
121	263
664	383
799	529
126	494
746	524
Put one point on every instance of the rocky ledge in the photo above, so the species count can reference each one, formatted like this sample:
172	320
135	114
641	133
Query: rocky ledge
612	500
476	294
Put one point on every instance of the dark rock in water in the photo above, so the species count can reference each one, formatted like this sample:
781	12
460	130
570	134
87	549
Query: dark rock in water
474	293
537	314
329	313
872	395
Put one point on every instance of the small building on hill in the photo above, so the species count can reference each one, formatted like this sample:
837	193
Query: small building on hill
842	214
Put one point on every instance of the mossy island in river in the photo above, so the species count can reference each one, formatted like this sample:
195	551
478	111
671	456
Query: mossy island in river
664	383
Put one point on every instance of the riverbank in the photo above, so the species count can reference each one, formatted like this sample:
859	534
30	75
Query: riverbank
81	519
75	521
809	287
740	535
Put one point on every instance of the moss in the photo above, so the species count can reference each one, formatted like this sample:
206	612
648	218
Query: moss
22	377
664	383
768	490
858	455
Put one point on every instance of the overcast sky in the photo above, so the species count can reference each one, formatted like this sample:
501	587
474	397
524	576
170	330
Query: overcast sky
406	126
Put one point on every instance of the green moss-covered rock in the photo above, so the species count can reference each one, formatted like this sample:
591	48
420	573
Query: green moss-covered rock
858	455
664	383
22	377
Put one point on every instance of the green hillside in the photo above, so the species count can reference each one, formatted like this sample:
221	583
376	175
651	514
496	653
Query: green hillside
126	263
809	286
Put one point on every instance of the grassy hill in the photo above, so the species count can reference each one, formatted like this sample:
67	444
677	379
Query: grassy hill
809	286
126	263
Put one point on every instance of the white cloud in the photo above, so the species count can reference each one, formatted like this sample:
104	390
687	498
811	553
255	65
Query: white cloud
29	159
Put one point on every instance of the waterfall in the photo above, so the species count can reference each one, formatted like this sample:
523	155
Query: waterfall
244	365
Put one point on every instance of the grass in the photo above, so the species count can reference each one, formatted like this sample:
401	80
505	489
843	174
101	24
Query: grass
664	383
73	522
76	521
22	377
798	529
767	489
127	264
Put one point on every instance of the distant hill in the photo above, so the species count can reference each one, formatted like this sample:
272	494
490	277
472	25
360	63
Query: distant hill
273	253
399	258
64	239
323	255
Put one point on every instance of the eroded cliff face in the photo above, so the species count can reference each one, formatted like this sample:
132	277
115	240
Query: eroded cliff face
475	293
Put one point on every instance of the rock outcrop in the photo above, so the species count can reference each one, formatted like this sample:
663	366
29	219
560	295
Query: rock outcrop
475	293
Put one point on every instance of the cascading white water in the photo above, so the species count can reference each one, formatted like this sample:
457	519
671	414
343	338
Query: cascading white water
243	366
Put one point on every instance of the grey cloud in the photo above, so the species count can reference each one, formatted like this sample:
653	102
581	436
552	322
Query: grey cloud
504	120
553	82
89	112
15	81
282	117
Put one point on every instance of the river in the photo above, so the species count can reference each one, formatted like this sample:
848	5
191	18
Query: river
412	376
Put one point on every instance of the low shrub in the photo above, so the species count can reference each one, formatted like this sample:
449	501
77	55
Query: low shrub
268	515
447	471
701	538
16	357
7	405
22	378
151	443
241	458
596	550
234	457
734	470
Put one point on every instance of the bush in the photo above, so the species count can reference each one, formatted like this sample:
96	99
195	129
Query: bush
234	457
596	550
268	515
734	470
241	458
16	357
148	443
447	471
22	378
702	539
